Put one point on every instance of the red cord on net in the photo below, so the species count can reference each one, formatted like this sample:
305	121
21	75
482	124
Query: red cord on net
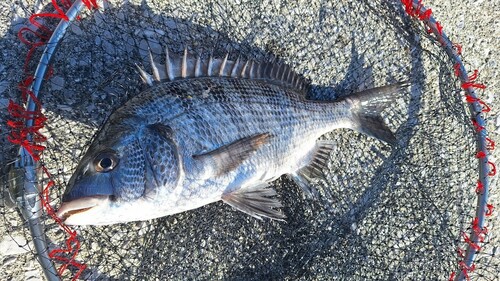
476	125
489	210
466	269
490	146
72	243
456	67
479	187
471	82
461	252
20	133
485	108
458	48
471	243
466	85
481	233
480	154
493	169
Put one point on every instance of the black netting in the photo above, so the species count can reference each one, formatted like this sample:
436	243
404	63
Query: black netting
383	214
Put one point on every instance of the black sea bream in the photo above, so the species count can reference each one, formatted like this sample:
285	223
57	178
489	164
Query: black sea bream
209	130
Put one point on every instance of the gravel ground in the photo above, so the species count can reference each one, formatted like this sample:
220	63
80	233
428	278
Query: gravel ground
474	24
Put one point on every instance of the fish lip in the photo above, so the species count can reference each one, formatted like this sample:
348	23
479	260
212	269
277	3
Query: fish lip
79	206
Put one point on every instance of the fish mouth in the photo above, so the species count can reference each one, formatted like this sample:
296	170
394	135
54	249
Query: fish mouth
79	206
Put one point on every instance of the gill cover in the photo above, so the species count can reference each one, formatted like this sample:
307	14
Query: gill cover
144	161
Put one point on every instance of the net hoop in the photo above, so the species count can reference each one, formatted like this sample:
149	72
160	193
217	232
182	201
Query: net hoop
477	109
35	203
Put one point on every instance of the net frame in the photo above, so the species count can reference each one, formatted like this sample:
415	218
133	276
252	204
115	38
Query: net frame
26	134
484	144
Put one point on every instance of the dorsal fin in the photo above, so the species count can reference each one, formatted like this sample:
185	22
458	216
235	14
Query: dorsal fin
190	66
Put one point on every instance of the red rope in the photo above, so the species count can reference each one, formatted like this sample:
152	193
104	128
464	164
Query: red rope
458	48
465	269
439	28
476	125
461	252
471	243
418	12
480	232
479	187
493	169
466	85
490	146
19	134
31	137
471	82
485	108
489	210
72	244
456	66
480	155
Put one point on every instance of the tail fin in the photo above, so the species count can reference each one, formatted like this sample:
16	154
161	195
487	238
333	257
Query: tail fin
369	104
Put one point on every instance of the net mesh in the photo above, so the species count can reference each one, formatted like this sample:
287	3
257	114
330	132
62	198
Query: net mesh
382	213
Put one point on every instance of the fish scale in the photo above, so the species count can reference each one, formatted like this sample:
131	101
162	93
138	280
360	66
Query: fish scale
229	114
209	130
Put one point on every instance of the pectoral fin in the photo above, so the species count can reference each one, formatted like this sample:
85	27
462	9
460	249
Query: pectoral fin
259	201
227	158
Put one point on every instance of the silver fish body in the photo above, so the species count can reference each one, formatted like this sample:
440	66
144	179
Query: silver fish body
192	141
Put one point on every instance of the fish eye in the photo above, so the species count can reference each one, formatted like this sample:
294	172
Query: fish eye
105	162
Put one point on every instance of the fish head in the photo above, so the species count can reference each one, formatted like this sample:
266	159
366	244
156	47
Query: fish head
118	177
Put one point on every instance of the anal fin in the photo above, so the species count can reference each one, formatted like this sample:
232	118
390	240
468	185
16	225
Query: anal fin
305	183
315	169
259	201
228	157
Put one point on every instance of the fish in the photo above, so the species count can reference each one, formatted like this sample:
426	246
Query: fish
212	129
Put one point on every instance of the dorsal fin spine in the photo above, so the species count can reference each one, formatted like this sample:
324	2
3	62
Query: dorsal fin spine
187	66
252	70
234	70
184	64
223	65
168	66
197	67
244	69
156	72
288	77
281	70
146	78
210	65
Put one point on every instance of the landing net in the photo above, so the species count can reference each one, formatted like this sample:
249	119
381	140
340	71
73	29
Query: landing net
418	211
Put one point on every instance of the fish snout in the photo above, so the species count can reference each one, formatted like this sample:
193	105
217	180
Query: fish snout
97	185
80	206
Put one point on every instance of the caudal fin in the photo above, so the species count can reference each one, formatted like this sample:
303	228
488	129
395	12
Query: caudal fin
368	106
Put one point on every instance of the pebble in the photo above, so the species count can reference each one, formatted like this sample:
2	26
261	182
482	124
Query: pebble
8	260
10	245
32	275
3	88
57	83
